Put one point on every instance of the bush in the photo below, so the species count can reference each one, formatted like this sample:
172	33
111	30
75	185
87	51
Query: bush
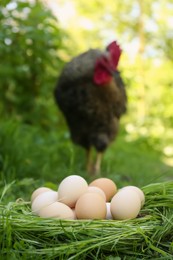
29	42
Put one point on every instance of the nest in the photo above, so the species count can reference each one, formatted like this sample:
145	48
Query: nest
149	236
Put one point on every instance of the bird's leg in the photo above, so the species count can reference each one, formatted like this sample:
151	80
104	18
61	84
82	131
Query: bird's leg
89	165
97	165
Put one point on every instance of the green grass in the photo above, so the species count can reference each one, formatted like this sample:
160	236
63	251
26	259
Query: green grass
28	151
150	236
31	157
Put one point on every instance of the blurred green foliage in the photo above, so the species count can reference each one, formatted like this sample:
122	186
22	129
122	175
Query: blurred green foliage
35	146
34	45
34	157
30	38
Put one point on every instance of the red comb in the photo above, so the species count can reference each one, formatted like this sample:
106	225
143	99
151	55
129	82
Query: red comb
115	52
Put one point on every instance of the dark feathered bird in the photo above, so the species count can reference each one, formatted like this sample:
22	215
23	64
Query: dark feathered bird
91	94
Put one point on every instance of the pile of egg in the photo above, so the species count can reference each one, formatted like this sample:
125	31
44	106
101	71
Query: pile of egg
75	199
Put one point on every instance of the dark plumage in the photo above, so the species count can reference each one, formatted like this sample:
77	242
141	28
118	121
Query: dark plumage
92	97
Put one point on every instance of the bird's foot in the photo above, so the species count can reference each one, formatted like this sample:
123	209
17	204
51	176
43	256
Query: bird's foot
94	168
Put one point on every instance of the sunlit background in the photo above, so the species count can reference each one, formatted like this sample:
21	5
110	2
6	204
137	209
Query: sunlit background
38	37
145	31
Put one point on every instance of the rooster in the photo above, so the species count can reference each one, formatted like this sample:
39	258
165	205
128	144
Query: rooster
91	94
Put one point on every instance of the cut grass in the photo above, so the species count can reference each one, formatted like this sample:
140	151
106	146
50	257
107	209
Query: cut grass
150	236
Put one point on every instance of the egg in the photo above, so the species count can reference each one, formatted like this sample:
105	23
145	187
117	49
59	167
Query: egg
107	185
39	191
73	209
71	188
97	190
57	210
139	191
90	206
126	204
108	211
43	200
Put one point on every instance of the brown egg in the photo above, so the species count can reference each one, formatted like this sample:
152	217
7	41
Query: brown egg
90	206
107	185
97	190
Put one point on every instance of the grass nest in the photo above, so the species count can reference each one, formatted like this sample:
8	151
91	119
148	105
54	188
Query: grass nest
149	236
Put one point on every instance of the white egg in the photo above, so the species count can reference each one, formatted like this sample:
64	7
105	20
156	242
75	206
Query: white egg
139	191
73	209
39	191
126	204
43	200
108	213
57	210
71	188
